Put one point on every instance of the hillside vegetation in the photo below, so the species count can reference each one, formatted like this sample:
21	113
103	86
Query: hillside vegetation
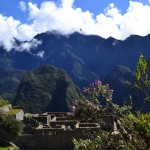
9	82
46	88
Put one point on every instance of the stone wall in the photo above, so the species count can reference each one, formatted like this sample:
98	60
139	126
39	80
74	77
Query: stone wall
42	119
52	138
20	115
29	120
70	123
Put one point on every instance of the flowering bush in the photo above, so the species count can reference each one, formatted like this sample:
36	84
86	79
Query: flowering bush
89	108
97	90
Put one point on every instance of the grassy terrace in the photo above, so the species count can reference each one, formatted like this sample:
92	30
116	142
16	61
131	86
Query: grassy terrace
8	148
13	111
3	103
29	115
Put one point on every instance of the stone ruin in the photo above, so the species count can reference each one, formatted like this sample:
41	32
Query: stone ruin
11	111
54	130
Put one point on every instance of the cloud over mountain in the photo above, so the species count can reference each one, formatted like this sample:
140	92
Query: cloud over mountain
66	19
8	30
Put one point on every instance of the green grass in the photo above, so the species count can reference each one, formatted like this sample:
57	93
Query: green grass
29	115
13	111
8	148
3	103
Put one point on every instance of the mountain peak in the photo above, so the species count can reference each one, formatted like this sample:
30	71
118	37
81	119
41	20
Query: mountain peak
46	88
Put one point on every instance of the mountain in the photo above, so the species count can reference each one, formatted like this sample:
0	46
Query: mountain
46	88
5	60
9	82
117	79
84	57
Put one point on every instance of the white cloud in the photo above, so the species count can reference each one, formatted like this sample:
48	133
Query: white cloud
136	20
41	54
26	32
66	18
26	46
8	31
23	6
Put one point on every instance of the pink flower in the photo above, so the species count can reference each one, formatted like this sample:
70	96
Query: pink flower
97	82
94	89
111	91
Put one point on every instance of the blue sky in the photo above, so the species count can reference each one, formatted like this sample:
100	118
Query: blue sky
23	19
12	8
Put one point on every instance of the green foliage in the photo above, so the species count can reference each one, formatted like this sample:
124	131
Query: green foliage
10	124
86	110
3	103
97	144
46	88
142	122
142	82
9	81
142	125
141	71
84	144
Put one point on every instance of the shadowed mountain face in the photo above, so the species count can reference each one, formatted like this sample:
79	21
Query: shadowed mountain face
9	82
46	88
84	58
5	59
117	78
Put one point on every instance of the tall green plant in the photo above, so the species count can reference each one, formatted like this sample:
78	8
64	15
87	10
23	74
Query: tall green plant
142	81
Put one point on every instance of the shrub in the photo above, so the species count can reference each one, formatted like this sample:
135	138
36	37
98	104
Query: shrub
10	125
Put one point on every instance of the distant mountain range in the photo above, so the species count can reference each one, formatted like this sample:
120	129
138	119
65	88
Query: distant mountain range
85	58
